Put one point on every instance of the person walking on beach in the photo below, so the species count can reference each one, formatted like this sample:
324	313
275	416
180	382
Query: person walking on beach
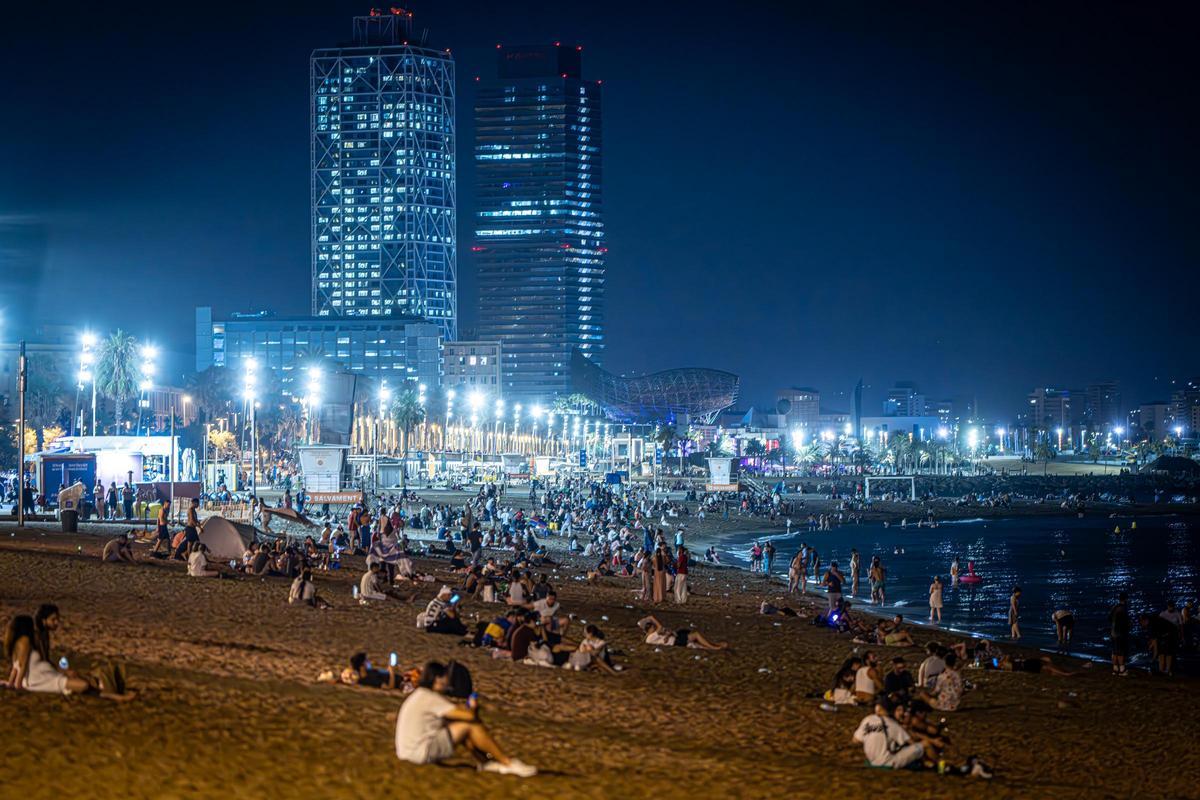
769	555
816	564
935	599
1119	626
681	573
878	578
855	568
1064	626
954	570
660	574
833	585
796	570
1014	614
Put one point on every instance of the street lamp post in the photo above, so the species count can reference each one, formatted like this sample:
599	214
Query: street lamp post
250	396
149	354
385	395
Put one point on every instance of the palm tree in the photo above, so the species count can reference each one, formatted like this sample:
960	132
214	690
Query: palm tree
755	450
407	413
118	374
212	391
47	397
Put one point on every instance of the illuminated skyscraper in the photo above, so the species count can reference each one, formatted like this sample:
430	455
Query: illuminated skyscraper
383	182
539	236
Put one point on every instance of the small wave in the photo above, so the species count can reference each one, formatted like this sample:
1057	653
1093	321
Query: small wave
960	521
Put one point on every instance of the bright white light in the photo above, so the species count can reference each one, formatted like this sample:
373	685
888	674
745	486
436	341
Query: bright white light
943	432
1000	432
536	412
499	408
187	398
421	388
88	339
87	358
849	429
1118	430
972	438
385	394
827	435
450	395
84	376
149	351
476	400
149	369
248	395
1178	430
1058	431
250	364
146	386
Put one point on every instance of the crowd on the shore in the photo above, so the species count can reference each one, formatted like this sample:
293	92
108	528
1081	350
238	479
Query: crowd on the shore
493	551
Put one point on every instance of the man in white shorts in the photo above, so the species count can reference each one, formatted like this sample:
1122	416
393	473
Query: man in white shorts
430	727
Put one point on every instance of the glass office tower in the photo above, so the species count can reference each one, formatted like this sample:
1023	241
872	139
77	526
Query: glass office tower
539	235
383	176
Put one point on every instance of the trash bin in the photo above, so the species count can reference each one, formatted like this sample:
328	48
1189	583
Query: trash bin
70	520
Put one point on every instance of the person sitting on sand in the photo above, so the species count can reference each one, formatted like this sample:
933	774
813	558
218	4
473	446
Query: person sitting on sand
371	586
27	647
659	634
947	689
118	550
592	653
868	680
885	742
898	684
304	591
430	726
932	666
897	637
198	563
441	614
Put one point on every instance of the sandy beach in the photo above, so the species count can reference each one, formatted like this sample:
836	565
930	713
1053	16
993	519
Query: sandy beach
230	706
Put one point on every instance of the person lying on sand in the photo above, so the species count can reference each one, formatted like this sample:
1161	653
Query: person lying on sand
27	647
430	727
118	550
362	673
659	634
770	609
1033	664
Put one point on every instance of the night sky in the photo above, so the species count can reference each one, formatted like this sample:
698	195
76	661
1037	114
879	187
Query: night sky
978	197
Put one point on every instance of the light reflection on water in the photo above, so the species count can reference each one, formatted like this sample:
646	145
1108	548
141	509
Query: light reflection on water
1081	565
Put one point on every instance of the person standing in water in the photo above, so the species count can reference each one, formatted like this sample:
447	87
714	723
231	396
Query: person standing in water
935	599
796	571
854	570
769	556
816	565
878	578
954	569
1064	626
1014	614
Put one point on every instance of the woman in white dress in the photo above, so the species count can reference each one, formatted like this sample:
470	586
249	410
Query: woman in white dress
935	600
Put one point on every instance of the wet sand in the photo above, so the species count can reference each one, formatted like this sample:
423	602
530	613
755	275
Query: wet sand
229	705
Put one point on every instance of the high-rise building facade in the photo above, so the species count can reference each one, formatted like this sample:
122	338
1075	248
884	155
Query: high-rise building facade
383	176
539	233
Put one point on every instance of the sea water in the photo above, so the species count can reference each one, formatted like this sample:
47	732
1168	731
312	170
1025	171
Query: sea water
1059	563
